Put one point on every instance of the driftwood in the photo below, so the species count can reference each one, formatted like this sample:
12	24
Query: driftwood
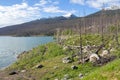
102	45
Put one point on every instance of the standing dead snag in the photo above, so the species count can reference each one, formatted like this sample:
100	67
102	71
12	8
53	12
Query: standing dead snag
102	28
58	35
80	54
102	23
84	22
117	30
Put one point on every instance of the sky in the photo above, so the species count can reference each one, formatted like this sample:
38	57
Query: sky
20	11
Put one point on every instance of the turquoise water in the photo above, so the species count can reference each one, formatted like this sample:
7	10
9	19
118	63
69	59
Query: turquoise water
10	47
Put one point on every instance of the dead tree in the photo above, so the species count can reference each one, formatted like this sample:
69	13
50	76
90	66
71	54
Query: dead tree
58	35
80	36
116	31
102	27
84	22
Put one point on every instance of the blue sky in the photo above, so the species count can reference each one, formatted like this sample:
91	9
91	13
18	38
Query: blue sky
19	11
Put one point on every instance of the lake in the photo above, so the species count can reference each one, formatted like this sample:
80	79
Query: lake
11	47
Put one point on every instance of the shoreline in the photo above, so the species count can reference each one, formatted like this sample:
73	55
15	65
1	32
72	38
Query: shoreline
17	54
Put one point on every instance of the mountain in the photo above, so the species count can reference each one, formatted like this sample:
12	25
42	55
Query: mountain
48	26
106	12
44	26
70	16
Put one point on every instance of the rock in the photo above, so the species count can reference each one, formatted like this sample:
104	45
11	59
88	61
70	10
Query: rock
55	67
105	53
80	75
23	71
66	77
74	67
111	50
86	49
13	73
93	57
20	55
66	60
86	59
56	79
39	66
66	48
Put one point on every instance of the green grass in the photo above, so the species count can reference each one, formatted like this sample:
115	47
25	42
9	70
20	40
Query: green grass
110	71
41	53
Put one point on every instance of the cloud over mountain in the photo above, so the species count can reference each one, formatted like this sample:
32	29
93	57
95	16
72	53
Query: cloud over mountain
23	12
97	3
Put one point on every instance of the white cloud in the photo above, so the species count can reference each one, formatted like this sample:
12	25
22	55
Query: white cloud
50	6
114	7
44	3
41	3
103	3
77	1
56	9
98	4
53	9
18	13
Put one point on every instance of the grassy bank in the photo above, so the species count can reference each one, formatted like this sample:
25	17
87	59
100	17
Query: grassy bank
50	56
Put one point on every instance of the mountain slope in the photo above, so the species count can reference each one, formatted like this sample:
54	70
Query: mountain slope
48	26
42	26
106	12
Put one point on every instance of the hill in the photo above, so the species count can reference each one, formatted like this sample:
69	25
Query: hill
44	26
48	26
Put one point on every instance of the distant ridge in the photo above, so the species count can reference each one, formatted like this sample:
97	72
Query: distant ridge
48	26
43	26
108	12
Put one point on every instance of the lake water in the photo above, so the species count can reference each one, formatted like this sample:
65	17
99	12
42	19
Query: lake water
10	47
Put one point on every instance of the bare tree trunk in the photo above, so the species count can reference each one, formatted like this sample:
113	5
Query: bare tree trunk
84	22
80	54
101	23
80	35
58	35
102	27
116	32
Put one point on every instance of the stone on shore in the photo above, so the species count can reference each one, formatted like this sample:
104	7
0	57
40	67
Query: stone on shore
66	60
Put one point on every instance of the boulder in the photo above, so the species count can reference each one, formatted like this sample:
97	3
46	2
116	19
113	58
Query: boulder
39	66
66	77
105	53
56	79
13	73
80	75
74	67
86	49
93	57
23	71
55	67
66	60
113	49
66	48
